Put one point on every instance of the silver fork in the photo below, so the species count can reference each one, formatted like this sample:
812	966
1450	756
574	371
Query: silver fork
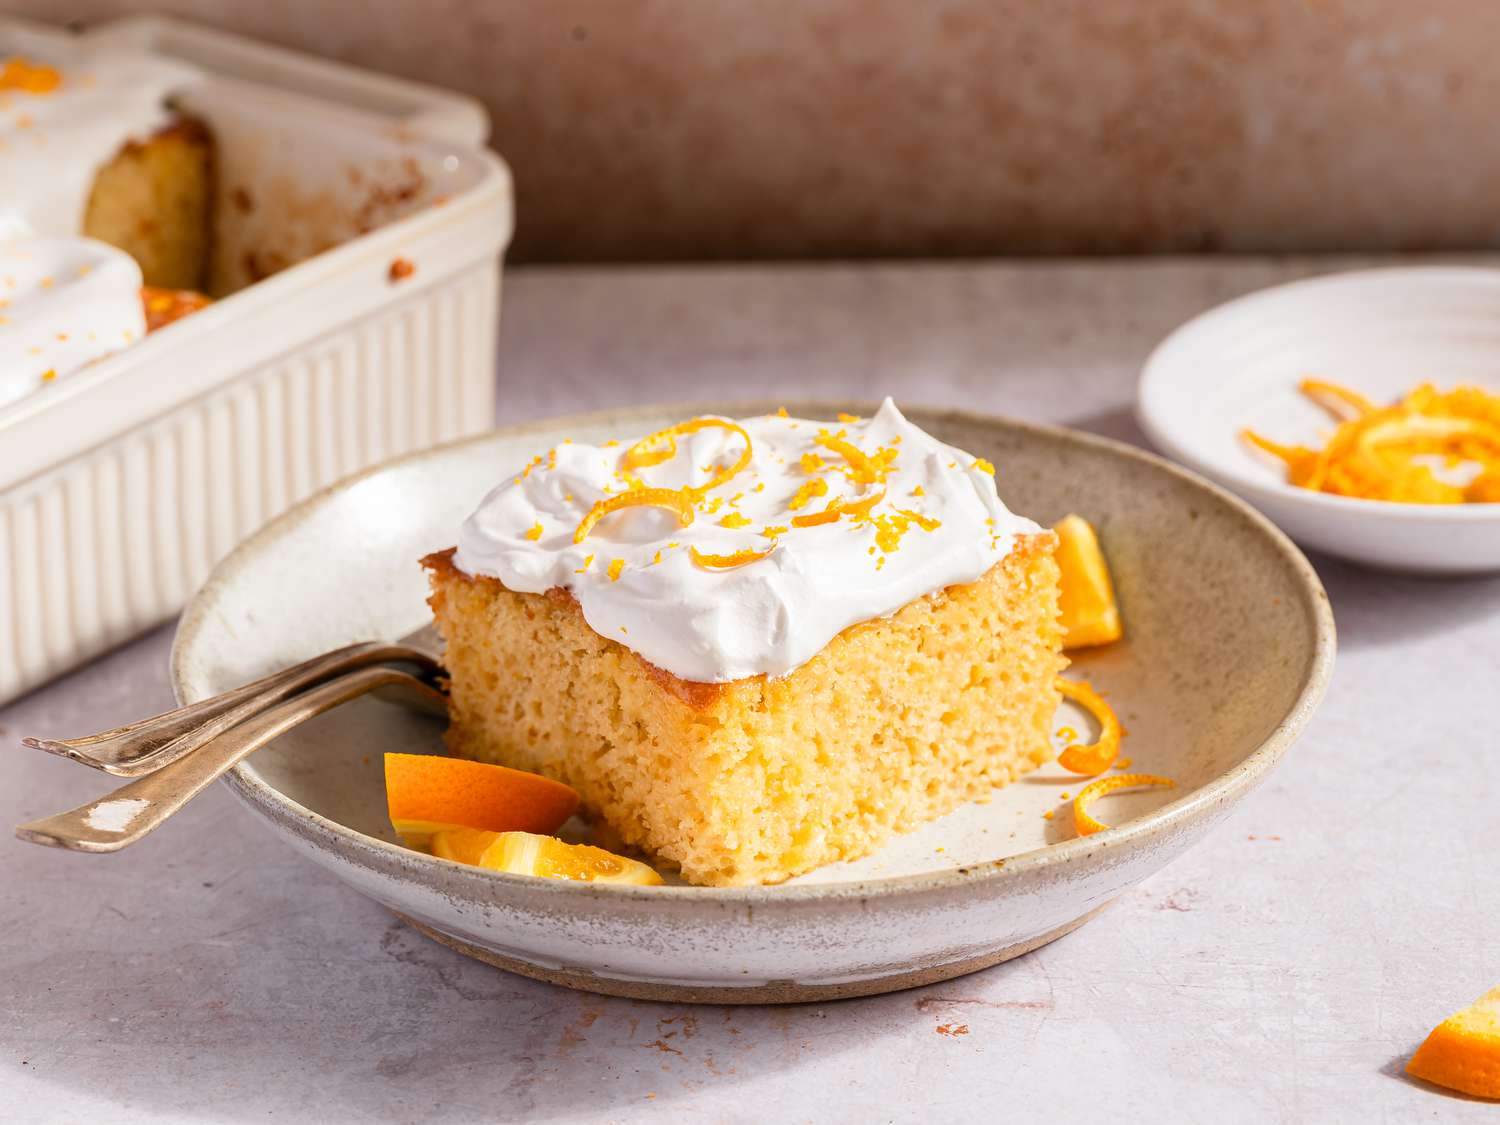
146	746
175	756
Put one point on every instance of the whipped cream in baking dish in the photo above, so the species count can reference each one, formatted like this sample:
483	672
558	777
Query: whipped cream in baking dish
64	114
731	549
66	300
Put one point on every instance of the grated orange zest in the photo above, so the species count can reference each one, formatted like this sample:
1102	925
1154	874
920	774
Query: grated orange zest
1098	756
730	561
734	519
808	490
984	466
1084	822
676	500
29	77
535	532
615	568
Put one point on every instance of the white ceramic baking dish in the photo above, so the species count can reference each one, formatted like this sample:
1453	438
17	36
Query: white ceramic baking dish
122	485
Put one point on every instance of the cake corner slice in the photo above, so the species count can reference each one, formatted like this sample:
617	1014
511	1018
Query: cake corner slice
899	718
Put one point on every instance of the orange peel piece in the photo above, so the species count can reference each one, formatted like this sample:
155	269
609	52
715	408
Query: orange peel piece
730	561
1087	608
1098	756
653	449
428	793
1084	822
676	500
1463	1052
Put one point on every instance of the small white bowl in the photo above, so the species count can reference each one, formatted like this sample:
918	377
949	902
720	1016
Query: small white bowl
1380	332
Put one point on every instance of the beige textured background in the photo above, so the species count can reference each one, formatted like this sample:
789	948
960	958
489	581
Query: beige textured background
670	129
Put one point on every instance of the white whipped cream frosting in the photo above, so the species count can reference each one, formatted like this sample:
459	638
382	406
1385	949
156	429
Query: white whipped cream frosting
65	300
765	617
53	143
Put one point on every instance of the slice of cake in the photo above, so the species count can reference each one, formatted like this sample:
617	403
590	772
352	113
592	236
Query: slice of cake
106	210
754	647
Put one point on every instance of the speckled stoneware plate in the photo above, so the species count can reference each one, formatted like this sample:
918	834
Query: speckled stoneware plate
1230	645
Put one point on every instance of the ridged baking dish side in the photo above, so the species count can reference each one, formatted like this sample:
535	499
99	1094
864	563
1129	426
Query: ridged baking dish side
113	542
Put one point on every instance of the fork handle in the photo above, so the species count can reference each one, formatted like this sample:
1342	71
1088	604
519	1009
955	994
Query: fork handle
120	818
150	744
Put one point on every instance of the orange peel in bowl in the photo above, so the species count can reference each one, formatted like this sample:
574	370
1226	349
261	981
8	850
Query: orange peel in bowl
1463	1052
427	794
1088	611
1098	756
677	500
526	853
1389	453
1084	822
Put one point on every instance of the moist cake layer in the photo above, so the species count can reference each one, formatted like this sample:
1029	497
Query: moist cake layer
897	720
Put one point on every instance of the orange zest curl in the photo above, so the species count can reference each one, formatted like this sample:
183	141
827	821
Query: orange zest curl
661	446
675	500
1083	822
1385	453
728	562
1099	756
863	468
829	514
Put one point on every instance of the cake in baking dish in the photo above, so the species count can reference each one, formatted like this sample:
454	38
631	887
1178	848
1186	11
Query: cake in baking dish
107	191
754	647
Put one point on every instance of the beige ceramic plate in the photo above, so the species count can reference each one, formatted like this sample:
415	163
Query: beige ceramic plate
1230	646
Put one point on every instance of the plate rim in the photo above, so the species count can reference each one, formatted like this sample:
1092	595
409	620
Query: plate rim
1271	490
1160	822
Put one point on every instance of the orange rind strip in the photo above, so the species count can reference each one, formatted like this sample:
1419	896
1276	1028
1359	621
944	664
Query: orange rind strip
1096	757
653	449
677	500
1084	822
731	561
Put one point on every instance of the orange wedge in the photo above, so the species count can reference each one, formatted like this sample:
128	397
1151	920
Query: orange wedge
524	853
1463	1052
461	845
1087	606
427	794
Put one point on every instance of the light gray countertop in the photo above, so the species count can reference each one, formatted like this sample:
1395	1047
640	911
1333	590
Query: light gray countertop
1280	972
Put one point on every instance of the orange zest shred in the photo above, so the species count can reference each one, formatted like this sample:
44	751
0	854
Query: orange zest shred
863	468
678	500
734	519
661	446
535	532
1387	453
615	568
984	466
1098	756
848	417
829	514
810	462
1084	822
730	561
